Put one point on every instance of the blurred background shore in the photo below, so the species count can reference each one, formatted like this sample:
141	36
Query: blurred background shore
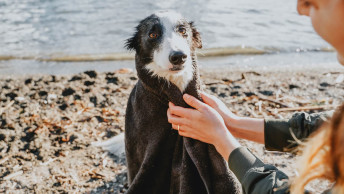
63	37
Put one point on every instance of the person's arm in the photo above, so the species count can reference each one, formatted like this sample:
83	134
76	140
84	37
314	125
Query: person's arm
254	175
205	124
276	134
284	134
241	127
246	128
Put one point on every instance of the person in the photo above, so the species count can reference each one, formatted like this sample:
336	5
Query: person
323	155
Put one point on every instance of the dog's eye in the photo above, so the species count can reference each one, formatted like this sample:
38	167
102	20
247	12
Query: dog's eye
153	35
182	30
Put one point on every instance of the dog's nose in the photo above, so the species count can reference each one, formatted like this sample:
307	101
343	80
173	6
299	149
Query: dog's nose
177	58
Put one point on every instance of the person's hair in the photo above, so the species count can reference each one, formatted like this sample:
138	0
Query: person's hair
323	156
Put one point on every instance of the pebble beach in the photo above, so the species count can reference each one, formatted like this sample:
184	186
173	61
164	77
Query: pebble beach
48	122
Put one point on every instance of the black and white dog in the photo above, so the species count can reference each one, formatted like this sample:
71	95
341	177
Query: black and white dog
166	43
158	159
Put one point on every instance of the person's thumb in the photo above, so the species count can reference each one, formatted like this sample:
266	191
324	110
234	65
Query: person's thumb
194	102
209	99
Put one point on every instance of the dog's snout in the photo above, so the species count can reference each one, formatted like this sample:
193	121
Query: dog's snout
177	58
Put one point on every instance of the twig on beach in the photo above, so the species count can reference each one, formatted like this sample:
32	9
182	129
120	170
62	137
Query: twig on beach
213	83
4	160
273	101
251	111
253	72
335	72
6	107
13	175
307	108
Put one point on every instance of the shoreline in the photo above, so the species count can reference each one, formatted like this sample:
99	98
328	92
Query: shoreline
273	61
48	122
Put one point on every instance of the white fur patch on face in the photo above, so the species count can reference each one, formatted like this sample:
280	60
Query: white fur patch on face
172	41
181	79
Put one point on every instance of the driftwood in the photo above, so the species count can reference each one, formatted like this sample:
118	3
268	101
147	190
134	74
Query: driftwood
273	101
6	107
305	108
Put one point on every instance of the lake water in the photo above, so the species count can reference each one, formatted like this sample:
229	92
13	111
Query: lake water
40	28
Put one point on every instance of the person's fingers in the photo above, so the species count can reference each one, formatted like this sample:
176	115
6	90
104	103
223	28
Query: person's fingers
174	126
183	128
179	111
194	102
174	119
187	133
209	99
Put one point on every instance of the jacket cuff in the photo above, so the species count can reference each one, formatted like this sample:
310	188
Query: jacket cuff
241	160
277	135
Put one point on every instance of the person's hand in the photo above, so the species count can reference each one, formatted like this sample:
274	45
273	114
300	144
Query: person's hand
203	123
242	127
229	118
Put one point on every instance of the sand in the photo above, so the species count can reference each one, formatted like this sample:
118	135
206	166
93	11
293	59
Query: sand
47	123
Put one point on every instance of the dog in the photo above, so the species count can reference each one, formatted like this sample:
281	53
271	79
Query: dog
158	159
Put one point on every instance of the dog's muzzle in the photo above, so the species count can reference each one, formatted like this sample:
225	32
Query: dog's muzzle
177	59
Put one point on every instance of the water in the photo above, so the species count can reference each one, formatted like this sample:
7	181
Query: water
41	28
33	27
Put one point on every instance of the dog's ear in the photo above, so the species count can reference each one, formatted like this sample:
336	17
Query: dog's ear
196	37
133	42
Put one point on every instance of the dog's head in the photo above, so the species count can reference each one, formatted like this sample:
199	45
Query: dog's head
165	42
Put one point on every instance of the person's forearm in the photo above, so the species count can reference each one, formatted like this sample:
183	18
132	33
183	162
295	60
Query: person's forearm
226	144
246	128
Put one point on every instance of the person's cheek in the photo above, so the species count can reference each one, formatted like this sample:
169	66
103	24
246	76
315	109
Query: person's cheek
328	24
340	58
319	23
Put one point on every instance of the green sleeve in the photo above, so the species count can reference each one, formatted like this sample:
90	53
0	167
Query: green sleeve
254	175
278	133
257	177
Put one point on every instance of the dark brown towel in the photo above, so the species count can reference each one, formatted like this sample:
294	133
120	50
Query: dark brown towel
161	161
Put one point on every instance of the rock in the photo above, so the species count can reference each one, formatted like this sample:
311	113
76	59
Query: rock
91	74
222	95
324	84
234	93
100	119
93	99
42	93
75	78
20	99
266	92
28	81
68	92
11	95
51	98
124	71
6	87
213	89
113	80
53	78
292	86
2	137
248	94
63	106
340	78
89	83
77	97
